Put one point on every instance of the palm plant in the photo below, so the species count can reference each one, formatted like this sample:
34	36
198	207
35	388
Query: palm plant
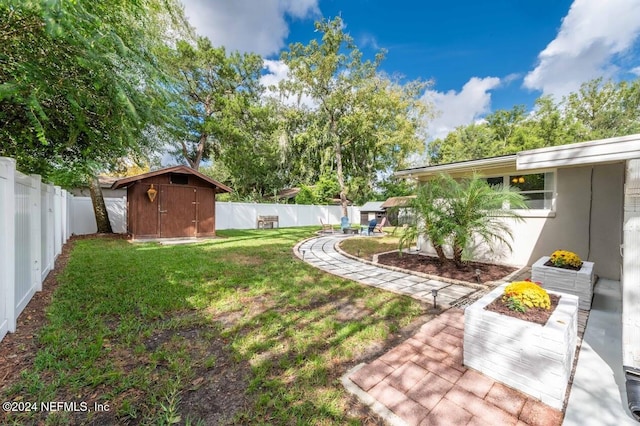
430	219
458	212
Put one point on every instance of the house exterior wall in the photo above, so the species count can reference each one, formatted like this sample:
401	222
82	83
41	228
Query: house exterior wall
590	226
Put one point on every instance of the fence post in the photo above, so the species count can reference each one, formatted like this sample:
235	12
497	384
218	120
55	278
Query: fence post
57	221
63	218
48	234
7	245
35	201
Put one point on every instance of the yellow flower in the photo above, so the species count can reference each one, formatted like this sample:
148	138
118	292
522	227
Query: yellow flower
527	293
564	257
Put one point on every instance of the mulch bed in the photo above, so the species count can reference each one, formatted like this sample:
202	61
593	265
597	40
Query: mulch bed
432	266
536	315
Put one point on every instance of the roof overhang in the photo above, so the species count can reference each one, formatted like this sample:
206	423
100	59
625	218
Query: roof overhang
579	154
484	165
601	151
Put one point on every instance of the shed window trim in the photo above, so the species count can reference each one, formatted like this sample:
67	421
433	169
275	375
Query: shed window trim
178	179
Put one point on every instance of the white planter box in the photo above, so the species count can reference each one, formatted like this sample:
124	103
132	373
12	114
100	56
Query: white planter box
578	283
529	357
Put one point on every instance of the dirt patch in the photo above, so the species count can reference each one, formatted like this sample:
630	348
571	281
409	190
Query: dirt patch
432	266
244	260
218	391
536	315
348	311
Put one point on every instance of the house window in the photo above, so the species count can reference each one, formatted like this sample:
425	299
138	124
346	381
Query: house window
537	188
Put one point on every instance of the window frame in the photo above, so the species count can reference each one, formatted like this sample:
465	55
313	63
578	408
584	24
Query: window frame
544	212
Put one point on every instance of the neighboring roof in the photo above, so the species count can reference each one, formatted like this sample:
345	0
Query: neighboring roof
460	166
287	193
372	206
176	169
107	181
398	201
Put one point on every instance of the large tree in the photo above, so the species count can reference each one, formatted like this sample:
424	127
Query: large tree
605	109
218	103
362	122
78	83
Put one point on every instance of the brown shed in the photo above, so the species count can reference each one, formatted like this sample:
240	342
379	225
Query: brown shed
173	202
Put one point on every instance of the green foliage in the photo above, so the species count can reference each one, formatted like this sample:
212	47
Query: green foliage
394	187
455	213
597	110
218	109
515	304
307	195
327	188
364	123
67	96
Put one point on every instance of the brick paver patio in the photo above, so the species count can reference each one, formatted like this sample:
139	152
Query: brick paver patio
423	382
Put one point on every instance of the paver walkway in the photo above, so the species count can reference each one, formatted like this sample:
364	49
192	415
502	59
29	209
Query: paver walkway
422	381
321	253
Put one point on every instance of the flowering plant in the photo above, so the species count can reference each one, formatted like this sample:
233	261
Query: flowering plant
520	295
564	258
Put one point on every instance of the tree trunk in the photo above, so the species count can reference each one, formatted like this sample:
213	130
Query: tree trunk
440	252
457	255
339	171
99	207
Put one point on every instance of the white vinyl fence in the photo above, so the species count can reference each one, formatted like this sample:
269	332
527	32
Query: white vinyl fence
83	218
34	225
244	215
229	215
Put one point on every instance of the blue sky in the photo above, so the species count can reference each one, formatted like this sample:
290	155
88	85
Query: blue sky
480	56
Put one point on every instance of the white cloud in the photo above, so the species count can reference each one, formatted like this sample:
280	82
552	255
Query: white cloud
591	35
257	26
277	71
636	71
460	108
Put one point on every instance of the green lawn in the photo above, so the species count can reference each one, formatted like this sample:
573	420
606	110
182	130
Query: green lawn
366	247
155	331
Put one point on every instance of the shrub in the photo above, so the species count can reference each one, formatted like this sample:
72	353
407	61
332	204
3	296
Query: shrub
562	258
526	293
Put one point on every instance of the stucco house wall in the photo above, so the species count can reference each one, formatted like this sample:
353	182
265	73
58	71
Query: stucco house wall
587	219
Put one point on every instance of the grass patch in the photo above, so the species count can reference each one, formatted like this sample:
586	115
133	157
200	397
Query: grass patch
366	247
236	330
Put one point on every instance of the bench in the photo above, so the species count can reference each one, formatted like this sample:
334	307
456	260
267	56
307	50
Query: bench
263	221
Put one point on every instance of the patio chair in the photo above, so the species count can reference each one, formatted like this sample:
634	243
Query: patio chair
378	227
372	226
344	223
326	226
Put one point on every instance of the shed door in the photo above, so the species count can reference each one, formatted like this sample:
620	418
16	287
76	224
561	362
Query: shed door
177	211
206	212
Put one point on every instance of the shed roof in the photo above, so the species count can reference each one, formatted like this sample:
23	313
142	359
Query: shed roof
372	206
176	169
398	201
